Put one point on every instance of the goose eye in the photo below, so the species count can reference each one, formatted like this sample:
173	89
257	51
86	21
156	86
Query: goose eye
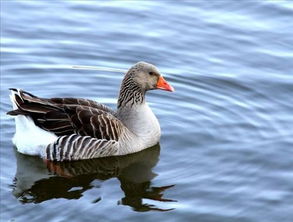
151	73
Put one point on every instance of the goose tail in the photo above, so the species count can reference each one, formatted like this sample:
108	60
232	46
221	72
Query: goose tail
28	138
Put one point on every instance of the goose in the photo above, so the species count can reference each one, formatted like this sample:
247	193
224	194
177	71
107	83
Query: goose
68	129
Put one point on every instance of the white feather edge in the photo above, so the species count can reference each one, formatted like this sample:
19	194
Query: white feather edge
29	138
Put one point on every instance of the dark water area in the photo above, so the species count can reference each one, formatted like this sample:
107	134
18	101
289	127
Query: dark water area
227	132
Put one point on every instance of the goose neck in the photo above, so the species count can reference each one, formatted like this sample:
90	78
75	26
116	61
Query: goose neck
130	95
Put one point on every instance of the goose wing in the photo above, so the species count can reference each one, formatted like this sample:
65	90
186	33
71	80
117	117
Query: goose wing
26	101
66	116
95	123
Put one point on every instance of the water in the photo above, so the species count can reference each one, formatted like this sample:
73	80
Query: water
227	132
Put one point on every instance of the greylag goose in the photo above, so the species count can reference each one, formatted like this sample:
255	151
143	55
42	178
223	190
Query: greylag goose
64	129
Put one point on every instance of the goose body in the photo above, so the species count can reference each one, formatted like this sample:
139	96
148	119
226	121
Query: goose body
62	129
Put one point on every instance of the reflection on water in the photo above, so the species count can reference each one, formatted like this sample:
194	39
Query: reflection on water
37	181
227	132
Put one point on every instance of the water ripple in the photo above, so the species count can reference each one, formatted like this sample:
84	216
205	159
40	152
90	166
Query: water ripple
226	132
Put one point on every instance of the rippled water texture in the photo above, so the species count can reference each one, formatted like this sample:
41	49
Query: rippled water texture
227	143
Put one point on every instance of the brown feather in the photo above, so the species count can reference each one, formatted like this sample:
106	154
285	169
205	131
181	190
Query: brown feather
64	116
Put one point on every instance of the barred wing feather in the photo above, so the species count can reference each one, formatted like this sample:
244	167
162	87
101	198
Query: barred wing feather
76	147
66	116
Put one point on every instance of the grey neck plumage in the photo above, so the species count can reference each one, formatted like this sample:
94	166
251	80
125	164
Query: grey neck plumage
142	125
131	94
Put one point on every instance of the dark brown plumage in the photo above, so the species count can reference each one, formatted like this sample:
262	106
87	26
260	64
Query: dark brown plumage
65	116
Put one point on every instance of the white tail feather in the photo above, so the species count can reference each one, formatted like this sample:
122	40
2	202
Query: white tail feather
29	138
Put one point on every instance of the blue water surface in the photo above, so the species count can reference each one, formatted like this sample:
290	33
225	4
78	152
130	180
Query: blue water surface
227	132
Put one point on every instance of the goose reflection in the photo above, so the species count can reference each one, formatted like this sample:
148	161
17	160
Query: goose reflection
37	181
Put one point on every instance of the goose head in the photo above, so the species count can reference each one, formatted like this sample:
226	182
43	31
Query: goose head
148	77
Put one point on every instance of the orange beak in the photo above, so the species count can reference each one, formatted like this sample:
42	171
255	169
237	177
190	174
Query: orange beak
164	85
